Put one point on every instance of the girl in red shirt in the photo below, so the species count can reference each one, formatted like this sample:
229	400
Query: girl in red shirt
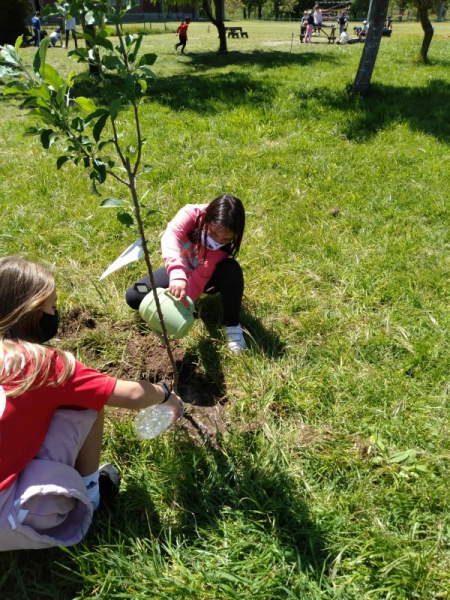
182	31
51	419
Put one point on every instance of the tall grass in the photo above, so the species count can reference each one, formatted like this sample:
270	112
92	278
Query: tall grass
330	479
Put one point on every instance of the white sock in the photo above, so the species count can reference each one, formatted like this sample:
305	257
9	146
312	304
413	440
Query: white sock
92	489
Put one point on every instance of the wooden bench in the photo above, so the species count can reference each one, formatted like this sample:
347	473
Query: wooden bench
331	36
235	31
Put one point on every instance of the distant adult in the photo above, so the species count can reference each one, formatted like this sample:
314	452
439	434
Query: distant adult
70	25
182	32
318	17
36	25
343	38
309	27
342	22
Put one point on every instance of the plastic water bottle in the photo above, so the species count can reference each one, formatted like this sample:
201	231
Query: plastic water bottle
152	421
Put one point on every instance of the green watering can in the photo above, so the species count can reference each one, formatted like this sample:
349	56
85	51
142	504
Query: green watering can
178	318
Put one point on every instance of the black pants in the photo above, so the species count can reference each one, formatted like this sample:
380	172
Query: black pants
227	279
182	42
74	35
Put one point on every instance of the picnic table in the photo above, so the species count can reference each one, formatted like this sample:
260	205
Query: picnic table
330	34
234	32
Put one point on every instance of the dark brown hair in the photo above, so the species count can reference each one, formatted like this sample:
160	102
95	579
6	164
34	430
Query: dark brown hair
225	212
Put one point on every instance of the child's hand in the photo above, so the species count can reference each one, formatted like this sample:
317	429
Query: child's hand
177	288
175	403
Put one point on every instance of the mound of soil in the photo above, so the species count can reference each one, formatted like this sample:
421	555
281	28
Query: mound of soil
147	359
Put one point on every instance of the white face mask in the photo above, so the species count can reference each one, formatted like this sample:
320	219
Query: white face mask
210	243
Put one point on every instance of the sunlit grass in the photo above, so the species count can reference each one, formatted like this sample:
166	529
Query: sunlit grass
332	478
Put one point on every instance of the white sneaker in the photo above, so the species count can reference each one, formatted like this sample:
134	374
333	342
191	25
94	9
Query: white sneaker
235	335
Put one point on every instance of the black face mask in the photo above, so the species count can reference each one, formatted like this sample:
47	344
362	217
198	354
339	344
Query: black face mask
48	326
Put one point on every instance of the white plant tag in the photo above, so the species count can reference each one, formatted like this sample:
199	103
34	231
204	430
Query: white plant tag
131	254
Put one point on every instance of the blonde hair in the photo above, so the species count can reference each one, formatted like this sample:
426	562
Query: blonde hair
25	287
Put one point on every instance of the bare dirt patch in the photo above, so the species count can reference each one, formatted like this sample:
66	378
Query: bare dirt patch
146	358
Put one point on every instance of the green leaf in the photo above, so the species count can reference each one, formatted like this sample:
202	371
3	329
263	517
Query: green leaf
45	138
60	96
86	104
10	55
147	59
114	108
105	143
18	44
43	53
95	115
98	127
403	456
7	71
113	62
125	218
112	203
147	168
104	43
94	188
51	76
143	84
44	114
100	171
37	62
15	87
71	79
81	53
61	160
148	72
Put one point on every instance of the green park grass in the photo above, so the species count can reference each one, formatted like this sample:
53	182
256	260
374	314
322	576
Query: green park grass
331	476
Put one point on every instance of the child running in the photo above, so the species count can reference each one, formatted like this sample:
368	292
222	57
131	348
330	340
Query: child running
199	248
51	419
182	31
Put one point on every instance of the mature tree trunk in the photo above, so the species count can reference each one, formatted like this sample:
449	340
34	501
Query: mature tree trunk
441	11
13	19
369	56
422	12
217	21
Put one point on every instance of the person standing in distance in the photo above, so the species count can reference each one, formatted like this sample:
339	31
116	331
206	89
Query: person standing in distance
182	32
36	25
70	25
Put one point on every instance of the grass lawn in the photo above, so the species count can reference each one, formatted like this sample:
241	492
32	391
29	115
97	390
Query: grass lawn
328	475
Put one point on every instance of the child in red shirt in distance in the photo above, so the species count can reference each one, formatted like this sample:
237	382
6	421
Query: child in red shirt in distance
51	419
182	31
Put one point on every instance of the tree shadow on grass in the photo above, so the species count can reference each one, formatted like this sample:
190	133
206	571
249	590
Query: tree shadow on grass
424	109
264	59
205	90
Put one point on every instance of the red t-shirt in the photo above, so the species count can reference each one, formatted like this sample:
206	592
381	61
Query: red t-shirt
25	419
182	29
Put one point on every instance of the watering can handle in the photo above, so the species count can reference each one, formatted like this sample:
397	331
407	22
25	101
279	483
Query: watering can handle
190	303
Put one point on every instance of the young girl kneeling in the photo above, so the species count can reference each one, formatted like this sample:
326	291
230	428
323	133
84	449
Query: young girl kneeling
199	248
51	419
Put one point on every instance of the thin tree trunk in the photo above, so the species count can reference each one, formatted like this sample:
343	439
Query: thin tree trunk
371	45
217	21
422	13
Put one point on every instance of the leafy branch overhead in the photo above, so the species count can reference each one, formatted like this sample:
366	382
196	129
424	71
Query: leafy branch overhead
122	77
125	78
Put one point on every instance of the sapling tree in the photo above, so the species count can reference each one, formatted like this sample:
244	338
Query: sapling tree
88	142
